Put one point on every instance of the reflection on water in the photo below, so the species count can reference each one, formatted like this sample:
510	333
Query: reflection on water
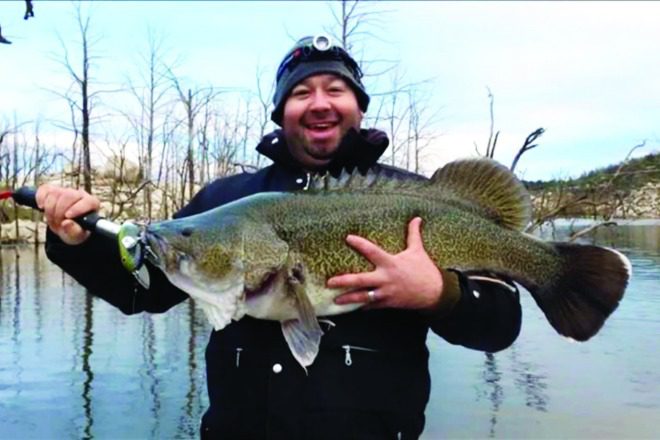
71	366
528	381
546	387
493	390
88	340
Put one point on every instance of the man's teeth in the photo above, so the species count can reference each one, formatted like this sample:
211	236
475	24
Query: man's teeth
320	126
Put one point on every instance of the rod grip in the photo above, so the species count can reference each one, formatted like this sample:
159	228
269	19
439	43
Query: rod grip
88	221
27	196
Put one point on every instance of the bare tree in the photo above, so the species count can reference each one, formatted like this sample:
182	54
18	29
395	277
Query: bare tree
560	199
492	139
14	178
399	115
208	116
193	103
527	145
354	21
615	200
22	164
81	79
74	160
29	12
4	157
355	25
164	180
247	127
348	20
3	39
397	112
493	136
265	106
421	127
4	168
36	217
602	200
150	93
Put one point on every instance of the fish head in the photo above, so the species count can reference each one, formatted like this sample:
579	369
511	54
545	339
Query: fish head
194	248
203	256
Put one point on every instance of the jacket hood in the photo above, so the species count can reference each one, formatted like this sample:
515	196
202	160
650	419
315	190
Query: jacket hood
360	149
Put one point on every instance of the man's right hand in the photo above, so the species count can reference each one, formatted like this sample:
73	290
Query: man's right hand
60	205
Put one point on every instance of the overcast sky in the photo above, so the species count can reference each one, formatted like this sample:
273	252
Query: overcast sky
587	72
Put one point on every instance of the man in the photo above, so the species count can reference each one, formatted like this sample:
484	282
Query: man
370	379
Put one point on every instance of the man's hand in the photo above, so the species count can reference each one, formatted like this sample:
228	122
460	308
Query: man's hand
60	205
407	280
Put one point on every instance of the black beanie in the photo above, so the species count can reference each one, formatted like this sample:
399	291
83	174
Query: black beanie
305	60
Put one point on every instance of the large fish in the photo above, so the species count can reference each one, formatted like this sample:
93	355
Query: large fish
269	255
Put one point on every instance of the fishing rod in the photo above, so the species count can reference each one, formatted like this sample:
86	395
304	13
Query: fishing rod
133	248
92	221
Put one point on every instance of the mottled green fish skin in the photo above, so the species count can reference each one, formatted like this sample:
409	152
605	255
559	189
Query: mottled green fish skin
314	226
453	237
269	255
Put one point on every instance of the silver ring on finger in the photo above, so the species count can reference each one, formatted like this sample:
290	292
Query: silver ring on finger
371	296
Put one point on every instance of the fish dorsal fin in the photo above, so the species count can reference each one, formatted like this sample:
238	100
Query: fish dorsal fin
489	185
374	179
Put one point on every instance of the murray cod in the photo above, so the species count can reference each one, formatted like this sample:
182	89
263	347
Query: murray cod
269	255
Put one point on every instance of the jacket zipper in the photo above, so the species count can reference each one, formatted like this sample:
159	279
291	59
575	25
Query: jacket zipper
238	356
347	348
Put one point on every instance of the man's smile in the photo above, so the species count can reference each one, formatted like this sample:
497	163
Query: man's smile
321	130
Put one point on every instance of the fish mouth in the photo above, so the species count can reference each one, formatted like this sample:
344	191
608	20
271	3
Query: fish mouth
160	252
155	248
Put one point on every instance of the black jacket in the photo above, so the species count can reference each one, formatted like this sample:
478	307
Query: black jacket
371	376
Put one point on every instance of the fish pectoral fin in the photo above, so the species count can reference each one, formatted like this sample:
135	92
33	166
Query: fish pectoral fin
303	335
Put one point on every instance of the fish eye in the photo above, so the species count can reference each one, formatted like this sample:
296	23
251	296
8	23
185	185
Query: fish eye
187	231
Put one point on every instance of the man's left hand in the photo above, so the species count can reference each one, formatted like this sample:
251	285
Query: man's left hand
407	280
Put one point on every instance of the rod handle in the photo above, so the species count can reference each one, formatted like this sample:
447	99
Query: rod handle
27	196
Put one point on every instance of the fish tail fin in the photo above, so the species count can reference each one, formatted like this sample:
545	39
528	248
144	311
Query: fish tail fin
589	289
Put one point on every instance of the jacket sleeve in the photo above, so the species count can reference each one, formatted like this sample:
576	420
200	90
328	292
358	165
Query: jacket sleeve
485	313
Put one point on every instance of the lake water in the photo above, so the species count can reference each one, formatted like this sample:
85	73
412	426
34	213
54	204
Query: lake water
72	367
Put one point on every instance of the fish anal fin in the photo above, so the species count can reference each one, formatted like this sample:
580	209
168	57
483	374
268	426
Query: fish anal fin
490	187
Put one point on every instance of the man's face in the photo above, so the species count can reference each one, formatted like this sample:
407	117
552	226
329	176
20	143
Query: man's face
317	114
